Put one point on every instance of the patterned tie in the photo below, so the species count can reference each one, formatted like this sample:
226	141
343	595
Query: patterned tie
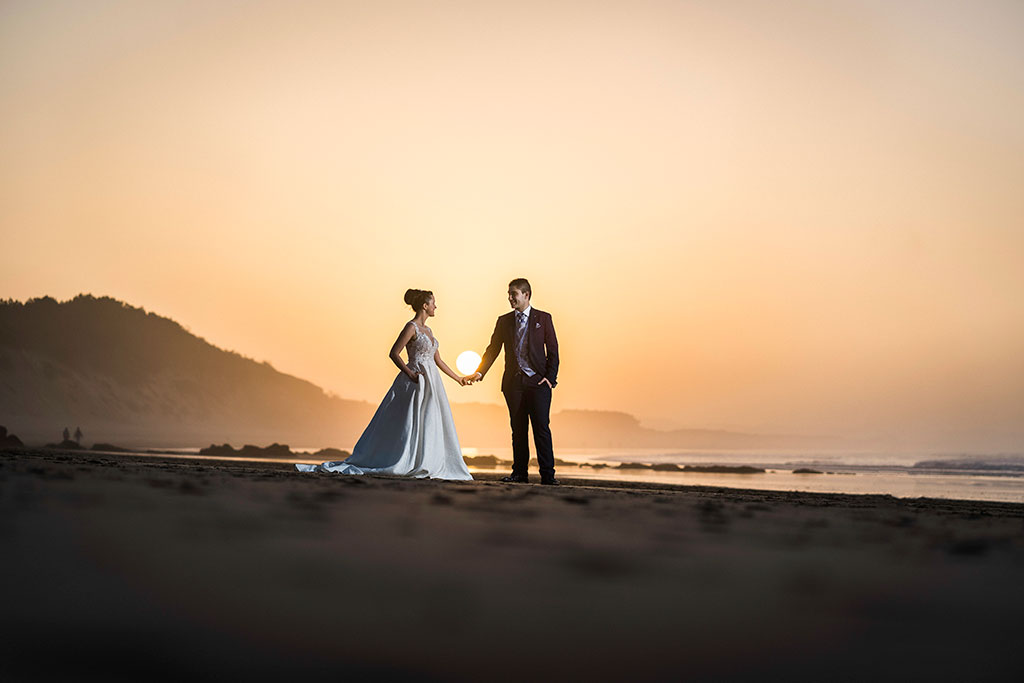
520	337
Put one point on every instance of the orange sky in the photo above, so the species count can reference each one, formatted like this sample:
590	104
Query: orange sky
796	219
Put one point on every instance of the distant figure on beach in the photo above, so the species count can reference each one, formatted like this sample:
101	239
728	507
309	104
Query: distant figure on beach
412	434
67	434
78	435
531	372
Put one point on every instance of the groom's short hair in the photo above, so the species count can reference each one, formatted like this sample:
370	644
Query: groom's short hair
523	285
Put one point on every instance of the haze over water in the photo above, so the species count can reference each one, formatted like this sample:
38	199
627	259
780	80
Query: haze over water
787	219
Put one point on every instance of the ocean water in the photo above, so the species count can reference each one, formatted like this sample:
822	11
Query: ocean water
991	477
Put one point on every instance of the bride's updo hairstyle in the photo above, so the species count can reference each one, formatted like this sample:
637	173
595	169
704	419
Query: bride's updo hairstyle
417	297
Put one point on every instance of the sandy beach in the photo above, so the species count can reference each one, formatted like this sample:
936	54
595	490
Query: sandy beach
126	568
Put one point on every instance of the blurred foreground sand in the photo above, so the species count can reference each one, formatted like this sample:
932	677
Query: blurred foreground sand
127	568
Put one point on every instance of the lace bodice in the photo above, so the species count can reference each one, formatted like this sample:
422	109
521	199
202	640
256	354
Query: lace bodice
421	350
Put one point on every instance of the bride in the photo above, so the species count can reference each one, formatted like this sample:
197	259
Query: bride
412	434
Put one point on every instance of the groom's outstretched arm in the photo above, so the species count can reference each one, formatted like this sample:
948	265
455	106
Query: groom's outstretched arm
493	349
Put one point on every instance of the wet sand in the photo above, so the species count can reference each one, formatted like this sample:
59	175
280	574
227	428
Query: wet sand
125	568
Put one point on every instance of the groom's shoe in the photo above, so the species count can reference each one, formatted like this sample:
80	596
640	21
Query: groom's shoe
550	482
516	478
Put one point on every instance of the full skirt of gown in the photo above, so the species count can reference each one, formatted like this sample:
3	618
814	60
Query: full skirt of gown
412	434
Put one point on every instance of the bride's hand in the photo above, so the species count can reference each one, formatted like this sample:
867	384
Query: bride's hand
414	376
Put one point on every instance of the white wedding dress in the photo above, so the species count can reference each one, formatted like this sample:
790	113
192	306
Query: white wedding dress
412	434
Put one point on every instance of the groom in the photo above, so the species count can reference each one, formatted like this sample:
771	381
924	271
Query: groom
531	369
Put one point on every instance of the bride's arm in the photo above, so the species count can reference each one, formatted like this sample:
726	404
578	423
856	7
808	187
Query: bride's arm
445	369
403	338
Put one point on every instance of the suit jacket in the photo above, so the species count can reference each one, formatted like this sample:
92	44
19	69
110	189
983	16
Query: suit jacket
541	347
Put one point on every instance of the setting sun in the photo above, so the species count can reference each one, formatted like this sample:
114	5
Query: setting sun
467	362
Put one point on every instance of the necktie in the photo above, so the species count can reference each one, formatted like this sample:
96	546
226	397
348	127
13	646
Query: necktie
520	336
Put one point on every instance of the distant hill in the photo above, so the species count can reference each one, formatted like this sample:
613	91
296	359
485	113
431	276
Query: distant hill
134	378
480	423
125	375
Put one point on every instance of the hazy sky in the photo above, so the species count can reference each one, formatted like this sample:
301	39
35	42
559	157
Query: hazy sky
793	217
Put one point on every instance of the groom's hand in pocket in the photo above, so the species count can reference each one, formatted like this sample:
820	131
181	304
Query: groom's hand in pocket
544	382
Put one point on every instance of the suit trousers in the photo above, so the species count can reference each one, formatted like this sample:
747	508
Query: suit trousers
529	404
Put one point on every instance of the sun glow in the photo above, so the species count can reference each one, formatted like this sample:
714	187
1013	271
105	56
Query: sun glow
467	362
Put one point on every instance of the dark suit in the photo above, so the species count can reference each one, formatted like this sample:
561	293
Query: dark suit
529	402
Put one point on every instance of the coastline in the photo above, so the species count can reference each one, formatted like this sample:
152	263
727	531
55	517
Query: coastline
180	569
985	478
